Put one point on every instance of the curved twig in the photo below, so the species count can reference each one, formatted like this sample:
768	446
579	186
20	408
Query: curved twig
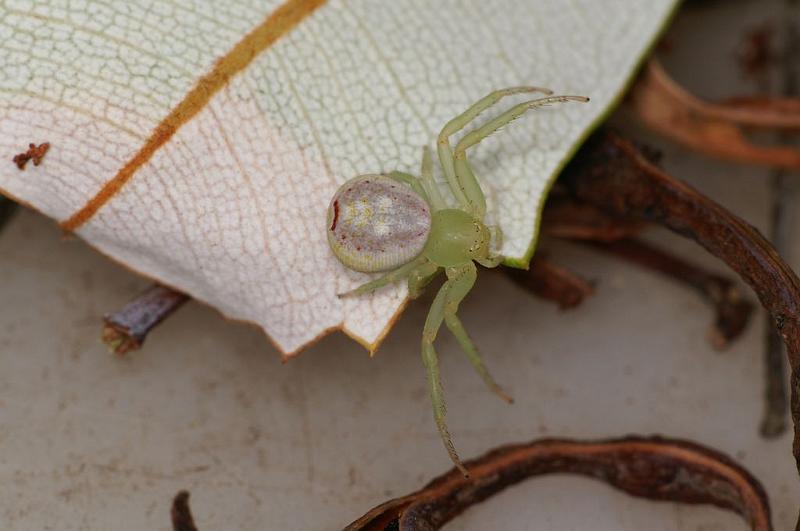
612	175
653	468
568	219
181	514
7	209
731	309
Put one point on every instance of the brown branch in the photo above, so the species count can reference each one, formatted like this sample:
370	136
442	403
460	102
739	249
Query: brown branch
768	106
773	422
612	175
732	309
653	468
127	329
7	209
552	282
571	220
714	129
567	219
181	514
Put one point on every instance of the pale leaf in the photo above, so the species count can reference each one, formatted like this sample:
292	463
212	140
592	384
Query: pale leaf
199	142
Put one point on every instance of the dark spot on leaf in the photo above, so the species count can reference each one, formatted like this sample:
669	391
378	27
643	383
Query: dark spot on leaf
35	153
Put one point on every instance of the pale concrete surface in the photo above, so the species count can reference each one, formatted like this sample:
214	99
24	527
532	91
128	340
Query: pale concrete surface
91	441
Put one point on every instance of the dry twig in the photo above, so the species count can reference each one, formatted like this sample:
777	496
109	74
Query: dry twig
127	329
552	282
181	514
715	129
615	235
731	308
612	175
654	468
7	209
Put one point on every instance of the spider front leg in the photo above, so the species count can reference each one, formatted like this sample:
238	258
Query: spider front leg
458	123
420	278
463	172
460	280
493	260
425	186
411	181
426	171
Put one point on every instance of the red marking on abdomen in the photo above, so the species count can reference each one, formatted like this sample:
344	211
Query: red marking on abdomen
335	214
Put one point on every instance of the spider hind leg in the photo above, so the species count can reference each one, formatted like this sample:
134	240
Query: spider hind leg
460	280
431	361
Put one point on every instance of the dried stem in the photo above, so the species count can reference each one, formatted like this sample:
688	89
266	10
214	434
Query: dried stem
586	223
612	175
552	282
768	106
7	209
564	218
181	514
774	420
127	329
773	423
715	129
653	468
732	309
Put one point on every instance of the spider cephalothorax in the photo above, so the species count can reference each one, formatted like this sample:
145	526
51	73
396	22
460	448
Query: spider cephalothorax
401	224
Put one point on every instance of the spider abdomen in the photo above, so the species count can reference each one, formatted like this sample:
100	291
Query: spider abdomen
376	223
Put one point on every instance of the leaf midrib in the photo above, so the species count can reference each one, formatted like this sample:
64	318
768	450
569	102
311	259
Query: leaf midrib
277	24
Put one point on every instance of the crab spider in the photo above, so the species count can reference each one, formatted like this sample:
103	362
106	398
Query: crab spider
401	224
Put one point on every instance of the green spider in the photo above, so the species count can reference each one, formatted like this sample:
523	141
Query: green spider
401	224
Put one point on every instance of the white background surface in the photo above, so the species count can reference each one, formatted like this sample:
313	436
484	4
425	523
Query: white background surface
91	441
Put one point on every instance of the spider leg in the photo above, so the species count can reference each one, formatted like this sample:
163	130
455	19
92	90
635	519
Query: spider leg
462	279
493	260
497	235
434	197
392	276
431	361
458	123
463	172
411	181
421	277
